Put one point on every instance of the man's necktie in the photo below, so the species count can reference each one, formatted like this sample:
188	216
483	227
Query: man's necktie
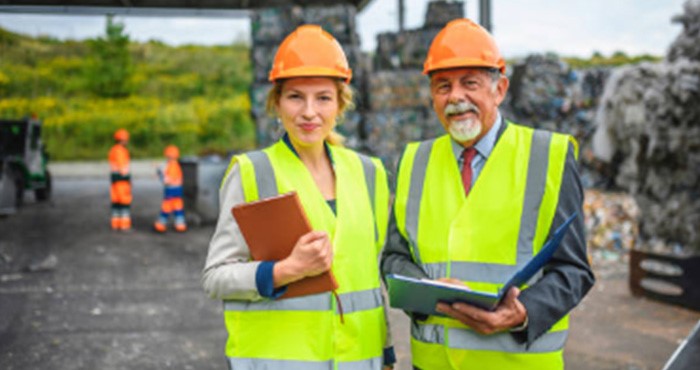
468	155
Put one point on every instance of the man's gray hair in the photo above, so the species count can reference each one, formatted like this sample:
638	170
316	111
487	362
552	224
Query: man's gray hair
495	75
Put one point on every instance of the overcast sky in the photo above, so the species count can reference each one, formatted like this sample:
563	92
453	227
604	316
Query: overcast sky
521	27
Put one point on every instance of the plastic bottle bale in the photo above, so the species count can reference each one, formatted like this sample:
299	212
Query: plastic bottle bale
413	46
687	44
439	13
592	85
258	98
538	90
262	58
337	20
398	89
386	55
388	131
268	130
271	25
349	127
410	121
546	93
377	125
359	71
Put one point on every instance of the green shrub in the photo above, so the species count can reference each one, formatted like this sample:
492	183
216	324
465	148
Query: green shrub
81	128
192	96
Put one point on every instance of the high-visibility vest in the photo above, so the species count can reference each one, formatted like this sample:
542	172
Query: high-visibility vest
120	189
481	239
172	175
119	160
306	333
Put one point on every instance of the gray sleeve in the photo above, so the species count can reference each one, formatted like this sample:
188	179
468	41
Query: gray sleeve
396	256
228	272
397	259
568	277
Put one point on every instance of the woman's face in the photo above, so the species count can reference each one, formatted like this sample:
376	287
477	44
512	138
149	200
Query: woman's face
308	107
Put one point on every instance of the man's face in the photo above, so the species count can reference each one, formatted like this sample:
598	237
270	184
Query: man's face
466	101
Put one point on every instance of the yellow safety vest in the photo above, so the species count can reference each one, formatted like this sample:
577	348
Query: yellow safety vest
481	239
306	333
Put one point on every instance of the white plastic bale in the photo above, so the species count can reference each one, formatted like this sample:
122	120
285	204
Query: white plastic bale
650	114
687	44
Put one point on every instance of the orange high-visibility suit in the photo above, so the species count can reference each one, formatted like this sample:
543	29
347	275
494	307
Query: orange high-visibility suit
121	187
173	204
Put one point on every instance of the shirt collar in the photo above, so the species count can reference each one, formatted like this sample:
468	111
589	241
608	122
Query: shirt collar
485	145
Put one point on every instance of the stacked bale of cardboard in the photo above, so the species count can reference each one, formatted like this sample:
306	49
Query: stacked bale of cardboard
649	129
269	27
399	94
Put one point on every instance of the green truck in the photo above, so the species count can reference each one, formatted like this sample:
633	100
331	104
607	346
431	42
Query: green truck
23	163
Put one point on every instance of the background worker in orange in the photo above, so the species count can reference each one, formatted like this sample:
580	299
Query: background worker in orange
171	177
120	190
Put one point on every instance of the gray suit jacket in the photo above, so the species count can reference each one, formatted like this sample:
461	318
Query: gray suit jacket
566	279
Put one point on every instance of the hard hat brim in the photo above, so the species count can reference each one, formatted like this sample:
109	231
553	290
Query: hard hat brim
311	72
453	63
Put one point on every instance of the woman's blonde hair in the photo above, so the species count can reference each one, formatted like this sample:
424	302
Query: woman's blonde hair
345	103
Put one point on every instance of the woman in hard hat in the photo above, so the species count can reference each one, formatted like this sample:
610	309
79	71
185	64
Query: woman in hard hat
120	190
171	177
345	197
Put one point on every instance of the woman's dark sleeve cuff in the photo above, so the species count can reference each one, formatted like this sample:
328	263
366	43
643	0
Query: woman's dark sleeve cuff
265	282
389	356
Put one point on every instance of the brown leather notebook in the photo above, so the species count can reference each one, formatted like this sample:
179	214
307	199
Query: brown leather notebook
271	227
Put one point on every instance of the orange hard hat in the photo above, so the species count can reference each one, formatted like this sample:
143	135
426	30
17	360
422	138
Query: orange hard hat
171	151
121	135
310	51
463	43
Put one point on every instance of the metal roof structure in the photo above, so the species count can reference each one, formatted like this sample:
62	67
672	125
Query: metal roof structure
205	8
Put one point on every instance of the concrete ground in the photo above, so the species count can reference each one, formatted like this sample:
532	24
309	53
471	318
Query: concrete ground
75	295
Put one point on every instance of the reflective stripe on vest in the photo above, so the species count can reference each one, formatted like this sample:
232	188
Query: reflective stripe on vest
415	192
266	364
369	170
352	302
469	339
264	174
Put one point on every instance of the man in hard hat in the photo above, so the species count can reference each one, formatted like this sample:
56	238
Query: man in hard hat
120	190
171	176
474	205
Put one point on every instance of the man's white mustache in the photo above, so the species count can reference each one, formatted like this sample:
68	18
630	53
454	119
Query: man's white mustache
461	107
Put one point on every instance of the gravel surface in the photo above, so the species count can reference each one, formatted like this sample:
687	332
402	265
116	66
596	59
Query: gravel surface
75	295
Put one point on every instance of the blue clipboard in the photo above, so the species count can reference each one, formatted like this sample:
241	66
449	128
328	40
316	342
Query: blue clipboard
421	296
